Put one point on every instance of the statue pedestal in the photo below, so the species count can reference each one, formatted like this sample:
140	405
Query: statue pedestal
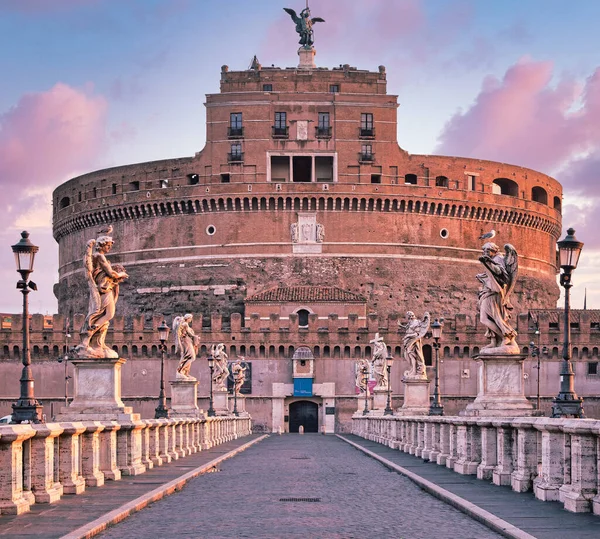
221	402
97	397
307	58
416	397
500	387
184	398
379	400
360	403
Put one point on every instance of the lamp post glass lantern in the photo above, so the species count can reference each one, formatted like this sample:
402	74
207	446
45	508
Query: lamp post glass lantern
211	366
436	407
388	407
161	410
567	403
27	408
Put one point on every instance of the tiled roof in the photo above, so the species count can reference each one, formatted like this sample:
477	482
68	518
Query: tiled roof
306	294
554	314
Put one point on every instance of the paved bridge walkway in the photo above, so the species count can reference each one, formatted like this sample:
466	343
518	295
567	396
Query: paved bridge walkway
309	486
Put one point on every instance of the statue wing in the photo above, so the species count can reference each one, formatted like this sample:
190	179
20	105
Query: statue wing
293	15
317	19
176	324
424	325
511	264
88	265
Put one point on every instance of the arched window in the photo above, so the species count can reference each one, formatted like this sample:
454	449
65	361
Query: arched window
64	202
441	181
303	317
504	186
557	204
427	355
538	194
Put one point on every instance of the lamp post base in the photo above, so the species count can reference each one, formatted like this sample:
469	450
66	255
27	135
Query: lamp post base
29	410
436	409
161	412
573	407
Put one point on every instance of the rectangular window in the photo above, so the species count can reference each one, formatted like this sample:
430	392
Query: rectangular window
225	178
366	152
366	125
471	182
163	183
95	192
553	325
267	87
235	125
593	367
236	152
323	126
134	186
375	178
280	120
334	88
280	128
114	188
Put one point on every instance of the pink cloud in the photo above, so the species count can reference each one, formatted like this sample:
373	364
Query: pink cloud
47	136
44	139
524	119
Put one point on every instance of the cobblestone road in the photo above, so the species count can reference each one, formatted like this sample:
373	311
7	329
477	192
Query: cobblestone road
359	498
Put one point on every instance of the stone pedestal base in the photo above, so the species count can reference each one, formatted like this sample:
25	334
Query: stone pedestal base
184	398
239	403
379	400
416	397
500	387
360	403
307	58
221	402
97	392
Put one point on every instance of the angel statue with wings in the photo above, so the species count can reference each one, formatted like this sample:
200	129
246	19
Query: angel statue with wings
304	25
412	345
497	283
221	371
186	342
238	373
362	368
103	282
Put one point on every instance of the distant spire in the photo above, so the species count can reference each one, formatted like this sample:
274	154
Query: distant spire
255	65
585	300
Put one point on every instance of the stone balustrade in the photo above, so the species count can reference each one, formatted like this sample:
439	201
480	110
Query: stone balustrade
559	459
41	463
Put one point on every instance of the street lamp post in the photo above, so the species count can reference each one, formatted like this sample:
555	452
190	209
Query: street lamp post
27	408
365	372
567	403
211	365
161	410
536	351
436	407
388	407
65	358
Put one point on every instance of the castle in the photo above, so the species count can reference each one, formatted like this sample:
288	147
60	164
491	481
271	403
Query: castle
303	223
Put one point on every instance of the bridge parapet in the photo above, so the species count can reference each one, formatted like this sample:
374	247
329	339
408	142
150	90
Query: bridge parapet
40	463
559	459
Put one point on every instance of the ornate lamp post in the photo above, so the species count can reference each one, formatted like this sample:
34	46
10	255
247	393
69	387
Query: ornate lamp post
567	403
537	351
27	408
211	365
65	358
388	407
163	335
436	407
365	372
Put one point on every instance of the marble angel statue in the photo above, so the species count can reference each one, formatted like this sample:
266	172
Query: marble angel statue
221	371
412	345
186	342
497	283
103	280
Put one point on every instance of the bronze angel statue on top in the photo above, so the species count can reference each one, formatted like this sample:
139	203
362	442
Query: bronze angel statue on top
304	25
495	309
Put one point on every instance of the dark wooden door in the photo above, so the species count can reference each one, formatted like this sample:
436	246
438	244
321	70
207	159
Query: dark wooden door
304	413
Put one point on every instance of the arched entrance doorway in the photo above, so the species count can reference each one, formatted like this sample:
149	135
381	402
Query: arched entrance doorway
304	413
